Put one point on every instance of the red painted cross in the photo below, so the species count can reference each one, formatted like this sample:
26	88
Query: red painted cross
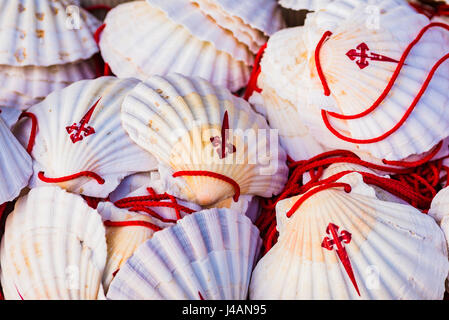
76	131
223	147
362	52
338	239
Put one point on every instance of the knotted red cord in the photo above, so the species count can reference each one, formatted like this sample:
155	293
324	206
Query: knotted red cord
415	182
145	203
384	94
139	223
93	201
211	174
89	174
33	129
252	83
97	35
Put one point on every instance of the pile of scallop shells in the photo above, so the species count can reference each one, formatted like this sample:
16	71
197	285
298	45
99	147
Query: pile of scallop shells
223	149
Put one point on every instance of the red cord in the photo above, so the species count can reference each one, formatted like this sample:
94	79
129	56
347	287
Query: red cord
90	174
33	133
97	36
326	35
145	224
98	7
252	83
306	196
384	94
211	174
409	164
98	33
154	200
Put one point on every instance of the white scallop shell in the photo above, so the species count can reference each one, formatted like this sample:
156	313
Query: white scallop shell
177	119
108	152
140	41
23	87
243	32
263	15
45	33
208	254
187	14
395	251
354	89
54	247
15	165
122	242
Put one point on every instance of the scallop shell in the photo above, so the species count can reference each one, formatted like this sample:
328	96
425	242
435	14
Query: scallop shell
15	165
394	251
243	32
355	87
197	112
122	242
187	14
23	87
208	254
263	15
45	33
140	41
62	148
54	248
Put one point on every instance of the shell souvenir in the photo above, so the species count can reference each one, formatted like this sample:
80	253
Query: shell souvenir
262	15
140	41
340	245
45	33
188	15
211	142
249	21
358	56
123	240
15	165
207	255
54	248
80	143
23	87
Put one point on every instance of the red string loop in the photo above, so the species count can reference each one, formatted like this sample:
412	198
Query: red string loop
384	94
